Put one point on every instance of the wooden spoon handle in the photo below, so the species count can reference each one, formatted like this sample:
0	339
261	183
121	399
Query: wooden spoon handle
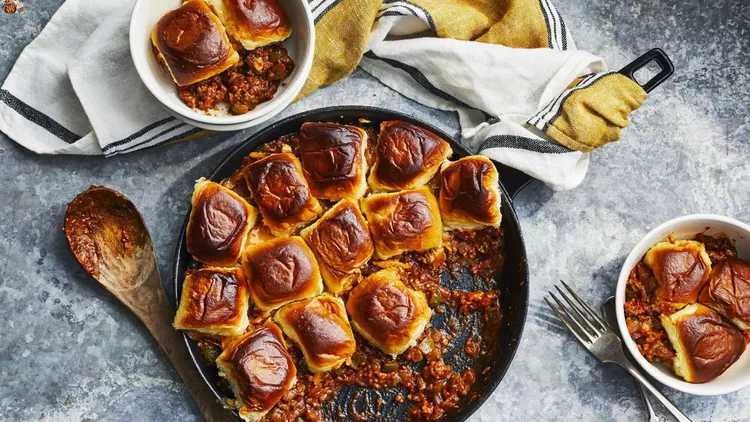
149	303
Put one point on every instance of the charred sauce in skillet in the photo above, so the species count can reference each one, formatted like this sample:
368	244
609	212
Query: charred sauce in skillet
420	375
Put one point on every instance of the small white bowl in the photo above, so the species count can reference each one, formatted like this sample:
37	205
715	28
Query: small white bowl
300	45
737	376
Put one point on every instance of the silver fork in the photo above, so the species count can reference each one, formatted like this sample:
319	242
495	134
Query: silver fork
600	340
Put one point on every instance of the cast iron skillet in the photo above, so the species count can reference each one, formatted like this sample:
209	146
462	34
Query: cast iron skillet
513	283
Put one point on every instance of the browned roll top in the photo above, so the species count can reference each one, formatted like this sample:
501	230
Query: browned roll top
463	188
405	151
280	270
321	329
681	271
728	289
329	151
711	343
411	217
191	40
278	187
263	368
258	16
217	224
386	310
217	294
342	242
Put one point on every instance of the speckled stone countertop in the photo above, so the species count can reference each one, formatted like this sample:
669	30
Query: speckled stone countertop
70	352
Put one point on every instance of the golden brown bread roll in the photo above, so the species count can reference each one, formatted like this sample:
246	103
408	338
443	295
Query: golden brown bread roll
333	159
254	23
407	156
403	221
193	43
214	301
282	193
218	224
259	370
728	291
388	314
321	329
705	342
681	269
470	194
342	244
280	271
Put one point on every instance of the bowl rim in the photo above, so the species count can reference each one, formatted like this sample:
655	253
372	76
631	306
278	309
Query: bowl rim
291	90
633	257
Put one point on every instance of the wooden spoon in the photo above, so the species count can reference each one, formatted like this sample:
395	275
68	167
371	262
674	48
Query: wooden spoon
107	235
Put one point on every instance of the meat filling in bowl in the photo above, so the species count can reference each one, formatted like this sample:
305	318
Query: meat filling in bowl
224	52
255	79
643	309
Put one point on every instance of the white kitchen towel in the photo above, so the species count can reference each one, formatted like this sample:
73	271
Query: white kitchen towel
74	89
495	89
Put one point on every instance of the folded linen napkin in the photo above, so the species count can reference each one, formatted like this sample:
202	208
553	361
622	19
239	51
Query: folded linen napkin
524	95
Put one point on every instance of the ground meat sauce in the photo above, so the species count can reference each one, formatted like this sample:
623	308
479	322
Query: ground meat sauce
719	247
643	313
255	79
420	375
203	95
643	320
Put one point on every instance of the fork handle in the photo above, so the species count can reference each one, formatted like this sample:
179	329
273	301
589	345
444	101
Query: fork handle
647	402
659	396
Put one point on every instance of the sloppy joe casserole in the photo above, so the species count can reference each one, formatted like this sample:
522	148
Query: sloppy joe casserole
335	281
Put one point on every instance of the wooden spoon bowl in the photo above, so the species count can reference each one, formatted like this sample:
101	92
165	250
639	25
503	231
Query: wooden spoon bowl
107	235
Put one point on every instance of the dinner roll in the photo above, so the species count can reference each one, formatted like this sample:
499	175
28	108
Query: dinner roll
282	193
388	314
333	160
280	271
214	301
253	23
193	43
728	291
407	156
470	194
218	224
321	329
403	221
259	370
706	344
342	244
680	268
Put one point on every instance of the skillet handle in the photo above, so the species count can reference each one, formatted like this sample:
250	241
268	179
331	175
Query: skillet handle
513	180
656	55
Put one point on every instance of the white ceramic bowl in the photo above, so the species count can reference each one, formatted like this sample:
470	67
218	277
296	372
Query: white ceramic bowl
301	46
737	376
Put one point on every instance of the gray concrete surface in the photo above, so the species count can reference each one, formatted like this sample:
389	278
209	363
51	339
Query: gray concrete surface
70	352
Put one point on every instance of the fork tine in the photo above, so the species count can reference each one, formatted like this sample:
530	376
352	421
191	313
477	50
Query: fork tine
580	332
559	315
591	312
594	330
